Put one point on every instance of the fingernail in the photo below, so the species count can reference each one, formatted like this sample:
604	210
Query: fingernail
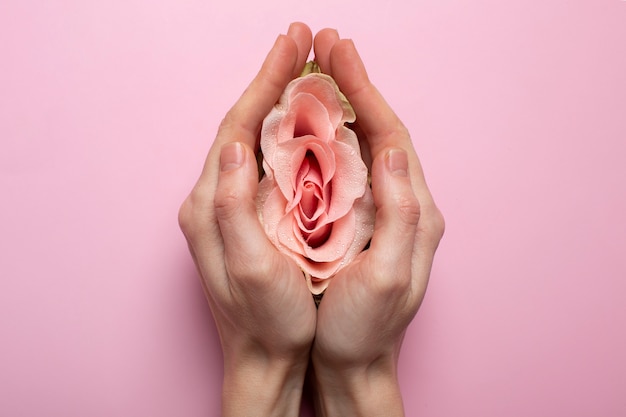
231	156
398	163
291	28
336	32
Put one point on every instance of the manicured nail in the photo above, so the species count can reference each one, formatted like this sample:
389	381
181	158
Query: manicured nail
398	162
231	157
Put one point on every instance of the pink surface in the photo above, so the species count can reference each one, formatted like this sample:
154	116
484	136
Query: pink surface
517	109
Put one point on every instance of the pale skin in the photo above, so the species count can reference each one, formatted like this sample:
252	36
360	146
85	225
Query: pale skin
269	328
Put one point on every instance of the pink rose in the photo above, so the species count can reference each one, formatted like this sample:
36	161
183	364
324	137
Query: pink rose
314	200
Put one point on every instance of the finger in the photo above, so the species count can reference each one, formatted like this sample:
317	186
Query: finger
377	120
380	125
244	119
245	242
397	216
301	34
323	44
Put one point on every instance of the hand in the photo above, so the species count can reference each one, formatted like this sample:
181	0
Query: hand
369	304
262	307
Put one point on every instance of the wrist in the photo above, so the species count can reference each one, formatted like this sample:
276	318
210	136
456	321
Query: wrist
262	385
370	390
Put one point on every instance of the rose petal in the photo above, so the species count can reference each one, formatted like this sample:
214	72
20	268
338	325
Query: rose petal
322	272
309	200
338	242
314	200
266	186
306	116
324	88
364	213
289	156
351	180
273	212
336	246
317	237
316	286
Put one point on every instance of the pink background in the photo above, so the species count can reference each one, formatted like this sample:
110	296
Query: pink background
517	108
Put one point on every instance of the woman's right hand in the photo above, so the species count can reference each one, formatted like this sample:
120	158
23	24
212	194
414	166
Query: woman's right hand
368	305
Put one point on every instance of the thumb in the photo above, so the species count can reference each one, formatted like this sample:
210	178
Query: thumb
397	213
245	242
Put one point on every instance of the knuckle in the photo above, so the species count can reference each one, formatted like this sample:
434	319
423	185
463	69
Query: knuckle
439	223
389	279
227	121
193	214
393	284
409	209
249	272
227	202
188	218
433	227
231	124
184	216
395	133
402	130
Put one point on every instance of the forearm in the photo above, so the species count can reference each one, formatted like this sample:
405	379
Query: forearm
258	384
254	387
365	392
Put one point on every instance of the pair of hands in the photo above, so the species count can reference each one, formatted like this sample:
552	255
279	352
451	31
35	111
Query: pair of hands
269	327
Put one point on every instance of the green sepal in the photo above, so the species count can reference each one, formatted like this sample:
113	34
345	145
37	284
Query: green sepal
310	67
